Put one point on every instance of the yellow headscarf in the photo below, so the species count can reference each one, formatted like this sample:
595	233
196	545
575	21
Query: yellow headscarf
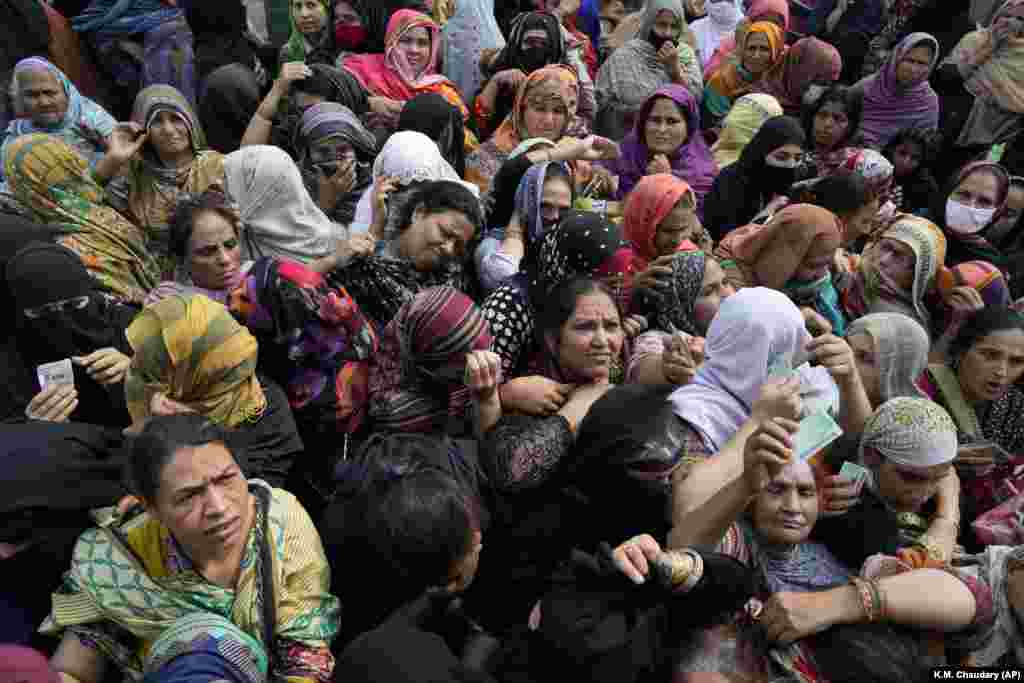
741	124
191	349
732	80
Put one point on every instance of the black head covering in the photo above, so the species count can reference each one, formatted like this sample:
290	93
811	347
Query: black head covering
776	132
630	434
44	273
218	29
514	57
436	118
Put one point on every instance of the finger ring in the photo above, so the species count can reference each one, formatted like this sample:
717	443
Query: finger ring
755	609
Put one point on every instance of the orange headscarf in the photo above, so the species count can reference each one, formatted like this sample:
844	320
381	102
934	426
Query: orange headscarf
732	80
654	198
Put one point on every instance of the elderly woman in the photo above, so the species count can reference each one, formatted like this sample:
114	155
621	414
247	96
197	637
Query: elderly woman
434	347
741	124
667	138
408	67
897	273
899	95
191	356
535	40
763	50
766	518
174	160
792	253
45	101
545	106
425	243
334	155
891	351
55	182
230	577
775	11
656	57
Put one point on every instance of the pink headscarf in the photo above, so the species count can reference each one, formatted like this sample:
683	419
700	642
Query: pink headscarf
890	107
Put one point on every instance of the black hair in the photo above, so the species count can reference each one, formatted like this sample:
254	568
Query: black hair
840	194
561	303
869	653
189	207
318	82
851	103
438	196
928	140
983	323
160	439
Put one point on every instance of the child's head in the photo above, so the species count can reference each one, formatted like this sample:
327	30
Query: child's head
912	149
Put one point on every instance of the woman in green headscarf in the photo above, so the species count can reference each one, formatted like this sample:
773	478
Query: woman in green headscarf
312	33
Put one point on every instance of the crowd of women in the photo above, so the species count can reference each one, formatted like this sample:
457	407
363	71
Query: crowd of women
708	314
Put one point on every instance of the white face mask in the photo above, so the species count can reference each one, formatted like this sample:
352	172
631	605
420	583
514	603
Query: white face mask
966	220
723	12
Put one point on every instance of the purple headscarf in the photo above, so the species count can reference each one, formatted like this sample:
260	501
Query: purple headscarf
692	161
889	107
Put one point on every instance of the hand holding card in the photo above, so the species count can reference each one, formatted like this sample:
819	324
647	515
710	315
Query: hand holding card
60	372
816	432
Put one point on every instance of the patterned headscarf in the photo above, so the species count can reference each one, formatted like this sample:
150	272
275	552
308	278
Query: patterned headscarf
192	350
224	651
677	303
875	169
529	196
583	244
555	81
416	381
330	120
981	276
86	125
55	183
901	346
153	188
871	292
742	122
913	432
654	198
1000	78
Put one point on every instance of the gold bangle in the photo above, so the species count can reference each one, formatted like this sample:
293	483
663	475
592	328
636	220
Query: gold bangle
867	597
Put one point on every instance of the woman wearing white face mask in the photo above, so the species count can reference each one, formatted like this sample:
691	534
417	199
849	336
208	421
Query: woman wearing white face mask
975	201
721	20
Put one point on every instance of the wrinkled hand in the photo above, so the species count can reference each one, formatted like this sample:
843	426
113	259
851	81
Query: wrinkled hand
106	366
653	277
833	354
603	183
668	55
840	495
788	617
590	148
510	79
291	72
53	404
633	325
659	164
358	245
778	399
483	374
815	322
767	451
964	301
635	557
678	364
535	395
125	141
